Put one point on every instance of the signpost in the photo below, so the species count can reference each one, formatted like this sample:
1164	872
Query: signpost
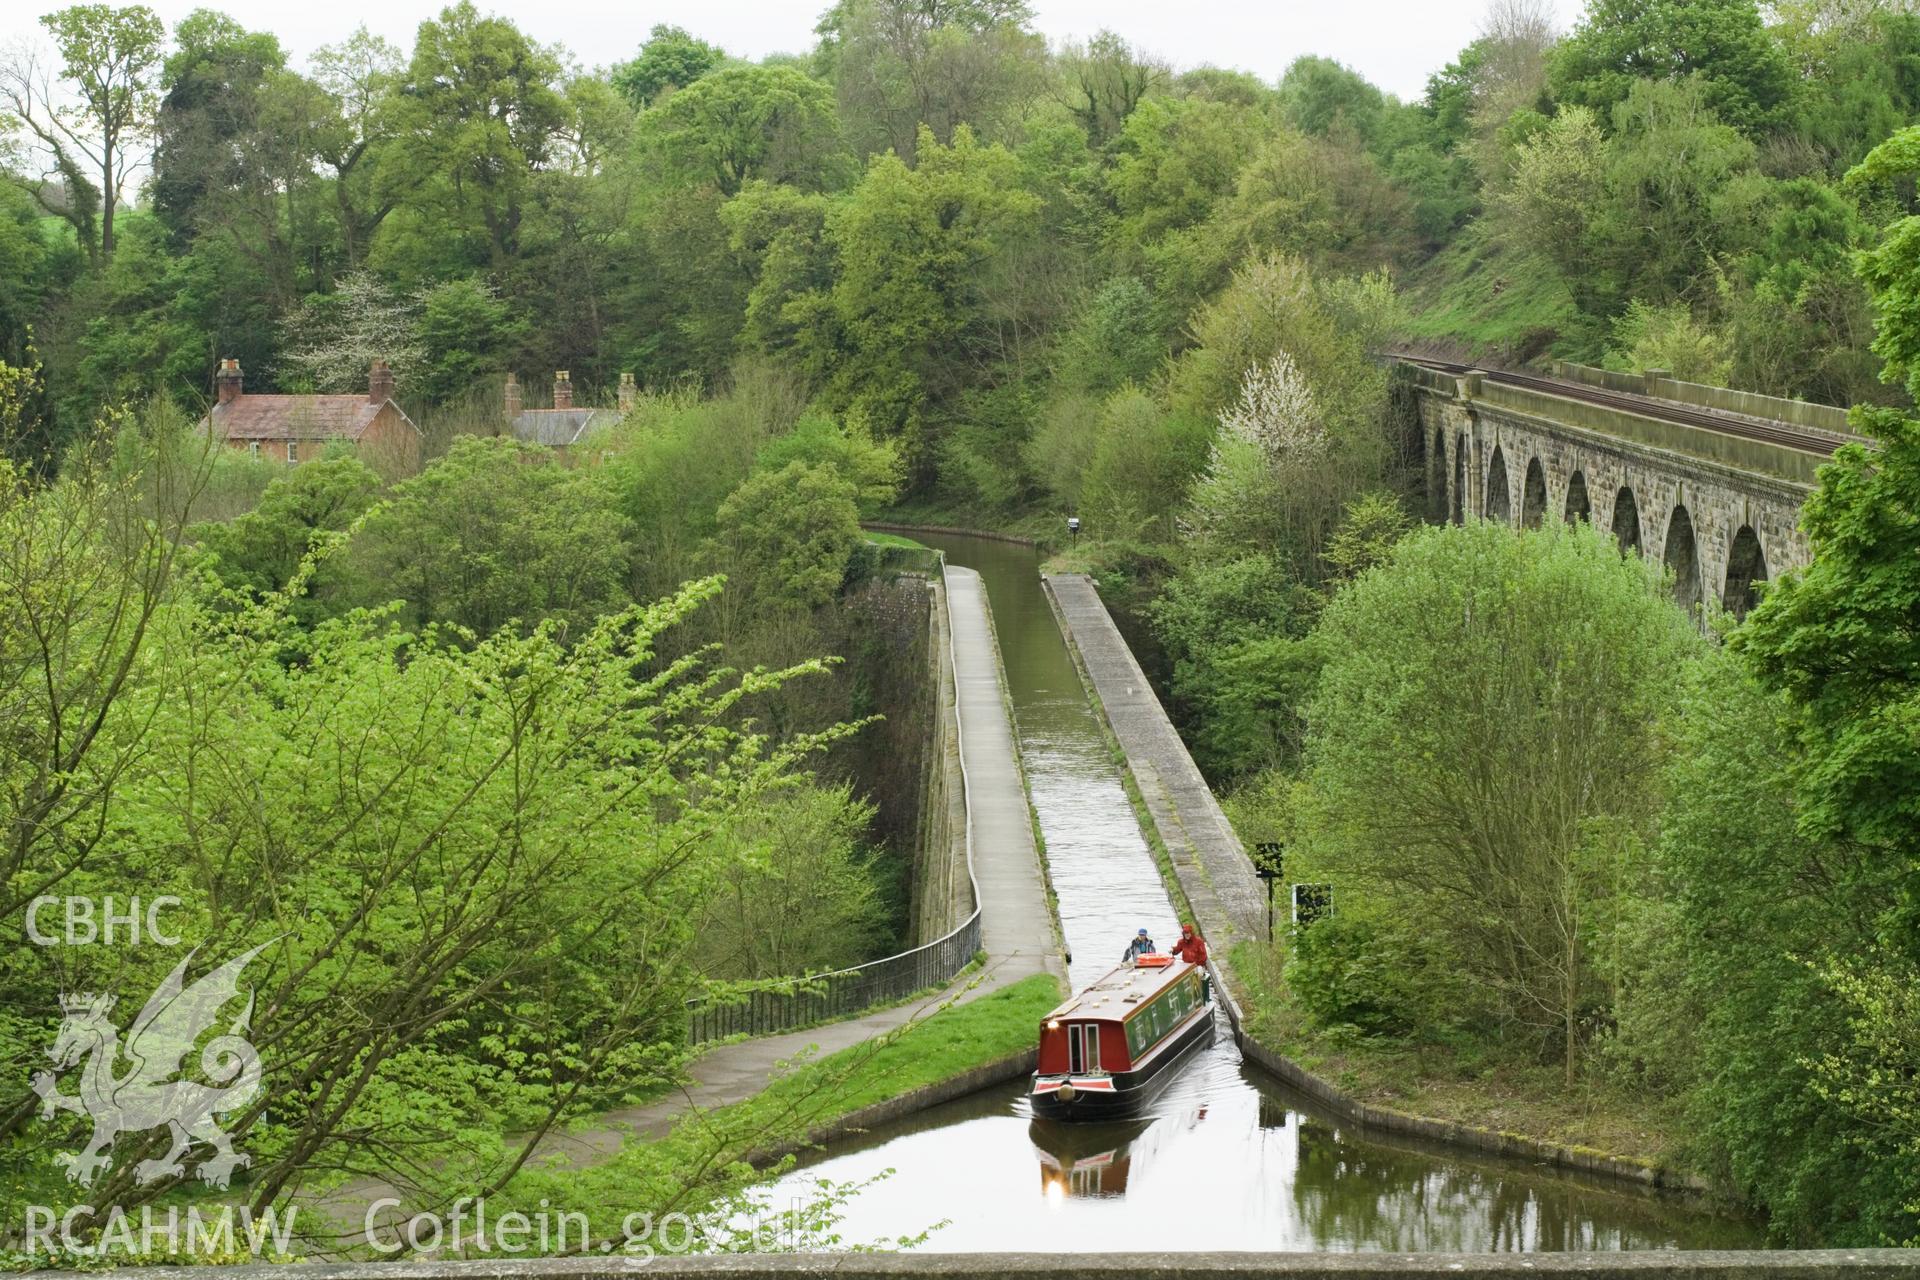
1311	902
1269	861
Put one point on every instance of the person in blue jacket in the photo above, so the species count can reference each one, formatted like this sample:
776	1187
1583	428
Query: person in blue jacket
1141	945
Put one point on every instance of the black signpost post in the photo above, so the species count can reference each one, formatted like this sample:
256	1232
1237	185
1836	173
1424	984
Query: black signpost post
1268	864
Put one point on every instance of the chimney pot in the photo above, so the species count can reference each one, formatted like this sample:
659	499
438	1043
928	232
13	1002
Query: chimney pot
379	383
628	393
227	383
562	390
513	397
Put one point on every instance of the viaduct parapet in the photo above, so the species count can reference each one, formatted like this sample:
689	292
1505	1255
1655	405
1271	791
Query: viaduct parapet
1708	481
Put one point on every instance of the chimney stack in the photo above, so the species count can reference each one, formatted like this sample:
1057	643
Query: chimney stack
628	393
380	382
513	397
227	382
562	390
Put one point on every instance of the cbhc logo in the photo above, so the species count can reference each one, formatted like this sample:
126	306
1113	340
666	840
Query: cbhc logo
82	922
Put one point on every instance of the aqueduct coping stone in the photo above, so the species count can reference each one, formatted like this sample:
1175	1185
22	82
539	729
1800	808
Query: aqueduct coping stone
1212	867
1824	1264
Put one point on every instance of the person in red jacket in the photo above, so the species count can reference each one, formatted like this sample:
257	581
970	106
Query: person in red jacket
1192	947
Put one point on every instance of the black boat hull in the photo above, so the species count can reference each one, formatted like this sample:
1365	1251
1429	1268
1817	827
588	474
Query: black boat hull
1133	1091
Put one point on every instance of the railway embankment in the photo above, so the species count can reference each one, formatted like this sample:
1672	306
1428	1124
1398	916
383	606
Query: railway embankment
1211	871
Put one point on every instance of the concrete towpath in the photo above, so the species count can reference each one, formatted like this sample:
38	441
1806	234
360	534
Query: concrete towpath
1016	929
1212	866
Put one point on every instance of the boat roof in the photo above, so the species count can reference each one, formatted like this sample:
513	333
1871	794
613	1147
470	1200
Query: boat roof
1118	993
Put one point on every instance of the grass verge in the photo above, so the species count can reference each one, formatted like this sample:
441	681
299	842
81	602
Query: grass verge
882	539
1466	1082
946	1044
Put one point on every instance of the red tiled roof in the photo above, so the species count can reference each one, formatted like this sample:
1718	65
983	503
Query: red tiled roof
342	417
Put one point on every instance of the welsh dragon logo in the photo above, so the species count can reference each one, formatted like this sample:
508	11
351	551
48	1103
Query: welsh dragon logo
145	1093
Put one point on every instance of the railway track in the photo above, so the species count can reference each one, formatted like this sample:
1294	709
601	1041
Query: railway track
1820	443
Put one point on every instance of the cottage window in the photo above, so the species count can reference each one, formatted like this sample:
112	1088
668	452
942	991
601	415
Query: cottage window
291	455
253	447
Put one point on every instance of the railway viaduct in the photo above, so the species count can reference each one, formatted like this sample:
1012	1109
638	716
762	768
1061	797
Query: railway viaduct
1711	481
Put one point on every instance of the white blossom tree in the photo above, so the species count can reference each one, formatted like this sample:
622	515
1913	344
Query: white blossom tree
1268	447
333	338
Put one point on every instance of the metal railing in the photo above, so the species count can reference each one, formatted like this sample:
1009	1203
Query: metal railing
789	1003
799	1002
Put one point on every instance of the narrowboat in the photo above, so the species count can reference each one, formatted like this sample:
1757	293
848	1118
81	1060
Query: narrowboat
1107	1051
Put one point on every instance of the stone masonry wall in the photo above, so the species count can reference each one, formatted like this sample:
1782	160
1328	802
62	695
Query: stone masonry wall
1463	435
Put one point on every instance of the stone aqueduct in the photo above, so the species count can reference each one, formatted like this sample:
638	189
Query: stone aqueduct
1721	512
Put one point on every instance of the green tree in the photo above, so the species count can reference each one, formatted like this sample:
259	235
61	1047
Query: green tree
1832	638
1891	268
803	896
1174	159
1143	461
209	117
480	108
670	59
1481	745
360	75
258	553
110	55
789	534
1771	922
895	334
743	123
1118	335
493	533
903	66
1558	181
1231	630
1670	338
1681	191
1744	74
1281	362
464	329
1103	81
871	466
1316	94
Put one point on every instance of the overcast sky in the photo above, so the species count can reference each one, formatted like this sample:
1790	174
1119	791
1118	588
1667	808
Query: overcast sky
1394	43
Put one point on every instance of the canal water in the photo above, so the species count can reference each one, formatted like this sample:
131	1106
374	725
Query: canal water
1231	1158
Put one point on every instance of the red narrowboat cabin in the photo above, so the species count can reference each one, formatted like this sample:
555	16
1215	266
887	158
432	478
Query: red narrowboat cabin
1107	1050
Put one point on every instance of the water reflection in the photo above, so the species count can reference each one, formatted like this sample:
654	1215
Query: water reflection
1084	1159
1246	1167
1228	1158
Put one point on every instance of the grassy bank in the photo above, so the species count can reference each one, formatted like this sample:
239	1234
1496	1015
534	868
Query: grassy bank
712	1154
1467	1082
881	539
945	1044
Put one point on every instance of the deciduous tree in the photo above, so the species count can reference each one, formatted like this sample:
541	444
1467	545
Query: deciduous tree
111	56
1481	742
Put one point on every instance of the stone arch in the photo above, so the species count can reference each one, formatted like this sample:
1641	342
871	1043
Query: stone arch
1682	558
1533	495
1437	477
1579	509
1499	500
1626	519
1746	566
1460	479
